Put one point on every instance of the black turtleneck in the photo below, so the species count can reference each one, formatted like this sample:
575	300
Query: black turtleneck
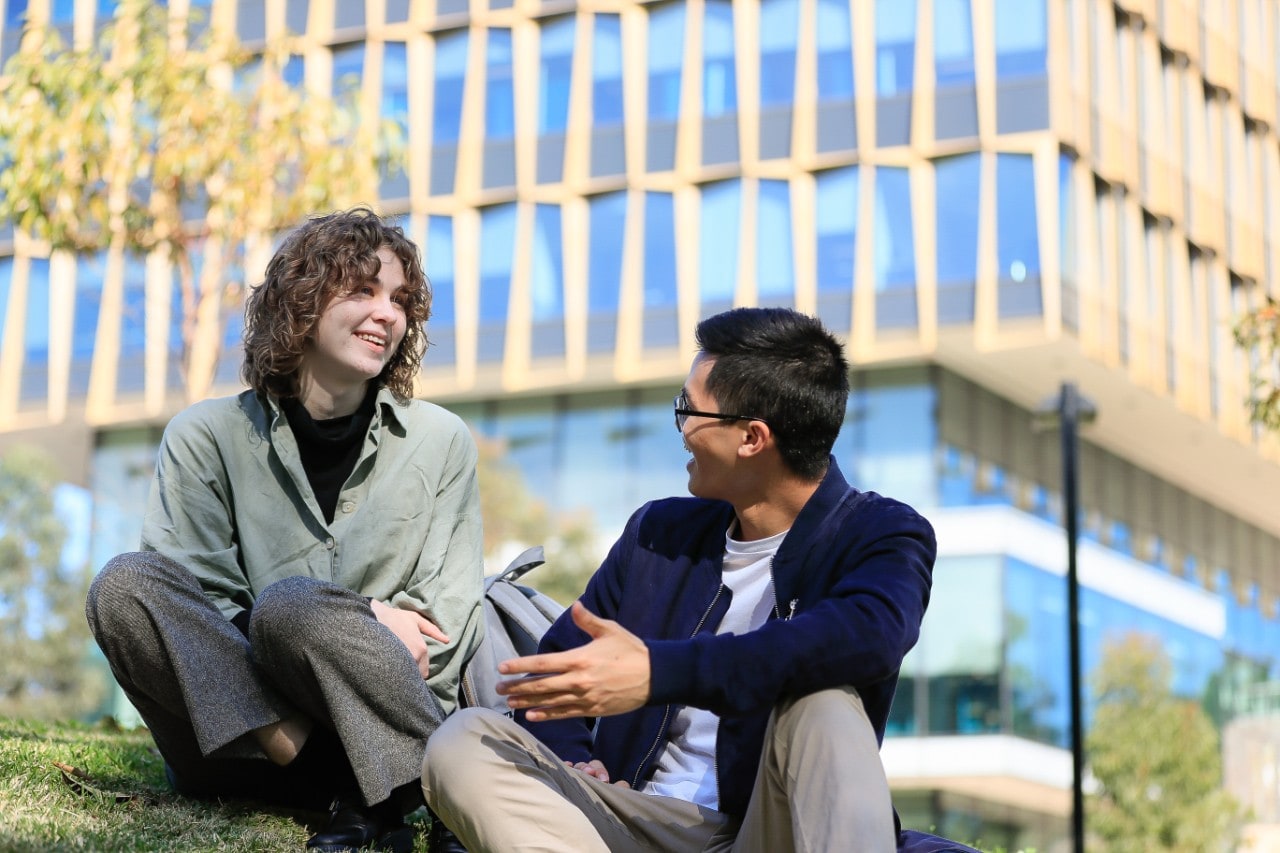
329	448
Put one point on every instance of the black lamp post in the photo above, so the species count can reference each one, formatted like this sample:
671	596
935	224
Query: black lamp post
1069	410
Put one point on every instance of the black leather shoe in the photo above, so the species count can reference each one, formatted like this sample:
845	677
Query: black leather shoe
354	826
442	840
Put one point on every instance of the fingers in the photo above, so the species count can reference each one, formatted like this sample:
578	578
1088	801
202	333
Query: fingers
536	664
588	621
429	629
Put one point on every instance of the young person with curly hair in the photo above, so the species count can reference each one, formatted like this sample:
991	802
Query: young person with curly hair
308	588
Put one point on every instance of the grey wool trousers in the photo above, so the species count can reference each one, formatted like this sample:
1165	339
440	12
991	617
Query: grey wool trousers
202	687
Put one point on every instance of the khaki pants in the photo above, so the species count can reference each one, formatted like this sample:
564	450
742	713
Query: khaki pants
820	786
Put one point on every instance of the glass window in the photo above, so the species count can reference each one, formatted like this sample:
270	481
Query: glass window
719	76
107	8
6	279
836	200
659	250
952	43
894	260
90	272
556	71
779	32
395	85
451	69
835	50
608	225
593	434
62	12
606	70
1036	653
775	265
497	245
15	11
439	269
499	101
37	327
348	68
957	204
1017	234
718	257
548	264
891	433
1020	38
133	325
964	676
895	46
293	71
666	56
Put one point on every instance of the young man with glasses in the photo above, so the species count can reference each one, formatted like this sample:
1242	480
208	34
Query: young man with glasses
724	681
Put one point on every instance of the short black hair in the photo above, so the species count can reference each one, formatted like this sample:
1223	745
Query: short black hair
785	368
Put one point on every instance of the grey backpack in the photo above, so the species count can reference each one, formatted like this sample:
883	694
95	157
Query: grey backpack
515	618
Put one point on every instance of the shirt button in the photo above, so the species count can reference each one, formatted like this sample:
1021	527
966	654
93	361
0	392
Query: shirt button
328	543
348	506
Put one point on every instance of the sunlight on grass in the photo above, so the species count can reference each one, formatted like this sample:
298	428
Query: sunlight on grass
40	811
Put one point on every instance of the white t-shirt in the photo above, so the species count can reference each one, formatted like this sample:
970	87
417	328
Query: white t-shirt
686	768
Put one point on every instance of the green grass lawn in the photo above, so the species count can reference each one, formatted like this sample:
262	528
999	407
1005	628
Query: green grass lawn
120	801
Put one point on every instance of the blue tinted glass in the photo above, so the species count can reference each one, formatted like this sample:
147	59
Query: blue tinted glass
293	71
659	250
133	319
893	437
6	278
497	245
718	255
348	68
451	70
779	31
666	55
952	42
895	46
62	12
608	225
499	102
90	272
894	256
37	329
556	72
836	201
1036	652
957	186
14	12
548	263
719	76
439	267
606	70
1017	237
835	51
107	8
775	266
395	84
1020	38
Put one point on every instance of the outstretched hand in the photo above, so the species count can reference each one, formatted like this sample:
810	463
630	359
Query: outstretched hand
609	675
410	628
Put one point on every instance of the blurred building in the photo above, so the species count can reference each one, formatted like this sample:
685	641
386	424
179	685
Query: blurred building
983	197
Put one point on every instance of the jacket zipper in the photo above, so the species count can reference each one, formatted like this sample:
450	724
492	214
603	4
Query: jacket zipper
666	714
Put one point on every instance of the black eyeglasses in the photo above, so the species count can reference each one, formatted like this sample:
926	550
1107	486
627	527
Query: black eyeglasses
683	413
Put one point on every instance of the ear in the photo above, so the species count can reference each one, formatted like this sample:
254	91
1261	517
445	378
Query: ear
757	437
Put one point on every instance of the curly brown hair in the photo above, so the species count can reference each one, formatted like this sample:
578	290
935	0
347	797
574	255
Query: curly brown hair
327	256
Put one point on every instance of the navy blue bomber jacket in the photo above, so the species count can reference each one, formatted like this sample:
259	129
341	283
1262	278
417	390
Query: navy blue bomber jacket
851	584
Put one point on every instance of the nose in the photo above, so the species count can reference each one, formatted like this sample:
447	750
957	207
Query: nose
384	308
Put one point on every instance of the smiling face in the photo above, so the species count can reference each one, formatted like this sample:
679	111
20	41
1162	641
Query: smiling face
355	337
712	443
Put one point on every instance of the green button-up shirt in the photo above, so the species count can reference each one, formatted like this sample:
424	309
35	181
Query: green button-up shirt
231	502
